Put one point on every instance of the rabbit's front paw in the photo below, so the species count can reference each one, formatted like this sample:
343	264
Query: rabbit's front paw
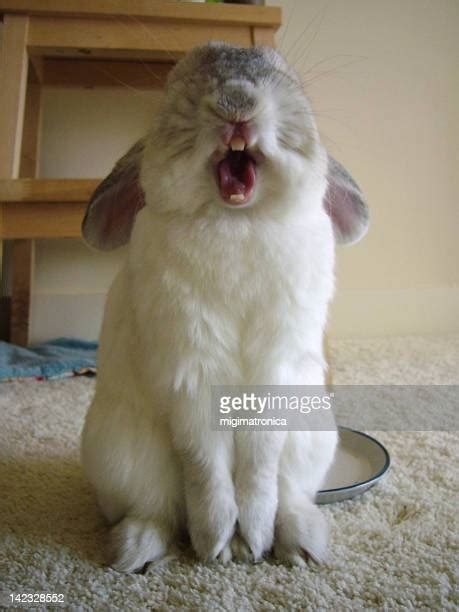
211	527
301	533
135	541
256	525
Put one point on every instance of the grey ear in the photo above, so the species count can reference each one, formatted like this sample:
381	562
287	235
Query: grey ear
114	204
345	204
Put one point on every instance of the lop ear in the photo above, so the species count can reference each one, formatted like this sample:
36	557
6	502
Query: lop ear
114	204
345	204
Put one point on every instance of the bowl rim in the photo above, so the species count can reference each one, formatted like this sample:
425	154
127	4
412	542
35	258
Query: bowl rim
373	479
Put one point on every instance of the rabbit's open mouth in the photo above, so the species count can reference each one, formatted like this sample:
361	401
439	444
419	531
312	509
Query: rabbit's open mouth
236	177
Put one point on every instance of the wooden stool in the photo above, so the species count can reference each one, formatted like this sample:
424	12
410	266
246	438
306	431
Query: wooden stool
84	43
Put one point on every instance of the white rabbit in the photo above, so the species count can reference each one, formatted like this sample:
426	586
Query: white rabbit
231	207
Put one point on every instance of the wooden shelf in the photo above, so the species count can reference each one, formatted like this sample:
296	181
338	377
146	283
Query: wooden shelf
236	14
46	190
43	208
144	30
125	38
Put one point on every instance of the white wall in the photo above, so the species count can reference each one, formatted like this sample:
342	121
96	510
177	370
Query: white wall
390	113
384	83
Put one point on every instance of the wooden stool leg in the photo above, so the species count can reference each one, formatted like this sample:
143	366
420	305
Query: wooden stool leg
31	132
13	87
263	36
23	261
20	101
5	299
23	257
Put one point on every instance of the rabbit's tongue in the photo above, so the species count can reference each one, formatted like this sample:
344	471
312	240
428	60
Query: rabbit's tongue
236	177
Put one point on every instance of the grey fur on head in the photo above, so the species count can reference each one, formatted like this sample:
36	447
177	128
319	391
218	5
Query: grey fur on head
215	85
223	62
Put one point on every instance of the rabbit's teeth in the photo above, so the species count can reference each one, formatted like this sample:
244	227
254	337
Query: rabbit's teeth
237	197
237	144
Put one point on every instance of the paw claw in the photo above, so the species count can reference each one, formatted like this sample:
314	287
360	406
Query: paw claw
240	549
134	542
226	555
301	534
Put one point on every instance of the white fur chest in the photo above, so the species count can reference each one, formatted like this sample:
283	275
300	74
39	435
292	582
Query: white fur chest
215	295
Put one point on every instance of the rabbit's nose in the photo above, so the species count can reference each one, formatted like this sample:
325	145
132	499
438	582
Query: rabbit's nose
237	101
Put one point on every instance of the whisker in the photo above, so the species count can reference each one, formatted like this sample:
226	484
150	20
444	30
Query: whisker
319	16
138	58
282	40
115	79
328	59
332	71
155	38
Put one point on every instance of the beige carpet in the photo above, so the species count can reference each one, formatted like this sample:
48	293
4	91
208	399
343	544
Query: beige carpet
393	548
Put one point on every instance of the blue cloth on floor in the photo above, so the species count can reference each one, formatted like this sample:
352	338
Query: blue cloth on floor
54	359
